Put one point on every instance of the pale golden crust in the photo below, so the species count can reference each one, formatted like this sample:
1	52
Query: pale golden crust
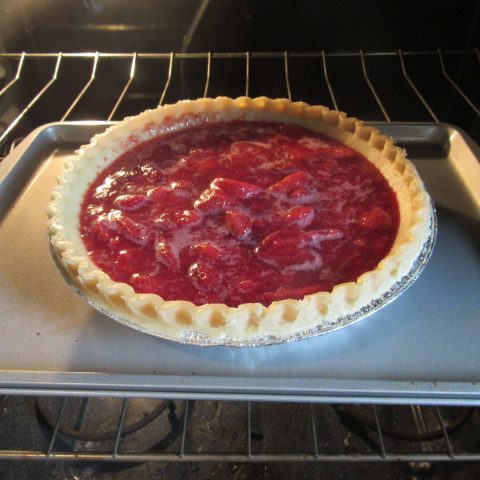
215	322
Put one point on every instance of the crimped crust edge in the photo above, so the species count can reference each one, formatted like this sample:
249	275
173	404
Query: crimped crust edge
214	322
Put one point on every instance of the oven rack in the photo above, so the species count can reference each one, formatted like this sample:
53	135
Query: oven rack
247	57
430	441
425	419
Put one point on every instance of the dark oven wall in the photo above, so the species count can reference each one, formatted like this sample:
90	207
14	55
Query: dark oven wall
239	26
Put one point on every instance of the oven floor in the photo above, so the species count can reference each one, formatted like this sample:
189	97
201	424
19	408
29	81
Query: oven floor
220	427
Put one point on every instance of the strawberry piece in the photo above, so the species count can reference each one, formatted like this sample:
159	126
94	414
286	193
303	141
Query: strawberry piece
291	182
204	277
178	219
181	188
238	222
376	219
134	231
284	238
301	216
131	202
187	217
236	188
295	293
206	251
213	201
314	237
284	248
131	230
158	194
165	255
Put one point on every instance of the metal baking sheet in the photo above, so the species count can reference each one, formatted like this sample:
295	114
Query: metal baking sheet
421	348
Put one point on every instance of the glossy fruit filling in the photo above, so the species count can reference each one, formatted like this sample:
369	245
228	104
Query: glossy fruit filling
239	212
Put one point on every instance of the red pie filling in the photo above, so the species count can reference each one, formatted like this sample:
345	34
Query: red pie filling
239	212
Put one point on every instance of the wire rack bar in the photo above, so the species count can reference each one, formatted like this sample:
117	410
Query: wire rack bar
121	422
57	426
426	455
327	79
446	437
184	428
415	89
249	429
235	457
287	79
126	87
33	101
209	56
372	89
189	55
420	425
247	73
84	89
454	84
314	430
383	452
418	418
207	80
197	18
169	78
16	77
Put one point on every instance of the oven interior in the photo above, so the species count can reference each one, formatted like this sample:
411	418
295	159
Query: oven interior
393	61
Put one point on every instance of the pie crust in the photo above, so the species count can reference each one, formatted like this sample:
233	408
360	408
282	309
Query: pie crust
251	323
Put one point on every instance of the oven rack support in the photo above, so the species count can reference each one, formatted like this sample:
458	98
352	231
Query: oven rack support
424	451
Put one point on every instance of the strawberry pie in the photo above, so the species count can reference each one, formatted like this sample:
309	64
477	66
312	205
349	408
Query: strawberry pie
230	221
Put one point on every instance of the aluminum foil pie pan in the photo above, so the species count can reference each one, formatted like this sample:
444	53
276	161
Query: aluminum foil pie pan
198	338
252	323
